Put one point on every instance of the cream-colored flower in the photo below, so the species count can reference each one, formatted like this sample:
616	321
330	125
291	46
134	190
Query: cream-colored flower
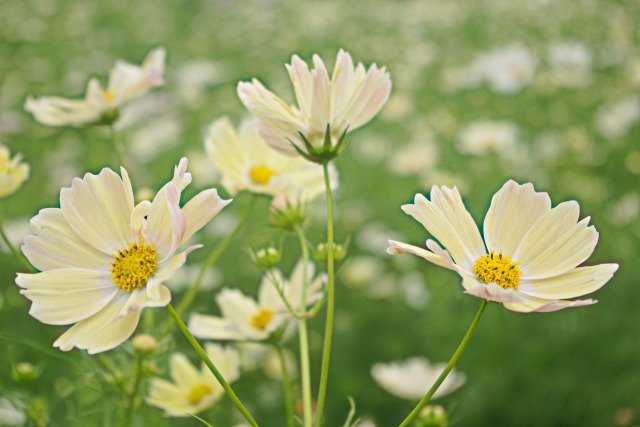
532	251
338	105
191	390
13	172
126	81
10	415
483	136
244	318
411	379
103	259
248	163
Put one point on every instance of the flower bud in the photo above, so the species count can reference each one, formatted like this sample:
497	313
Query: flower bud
266	258
432	416
287	212
25	372
144	344
339	251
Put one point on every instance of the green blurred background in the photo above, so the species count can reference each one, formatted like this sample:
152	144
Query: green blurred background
567	102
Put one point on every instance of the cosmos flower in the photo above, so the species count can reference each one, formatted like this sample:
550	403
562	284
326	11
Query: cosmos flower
248	163
327	109
412	378
100	106
102	259
244	318
532	252
191	390
13	172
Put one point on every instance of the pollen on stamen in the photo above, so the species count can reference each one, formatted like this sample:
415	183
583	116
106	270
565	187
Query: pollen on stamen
108	95
198	392
133	265
261	319
498	269
261	174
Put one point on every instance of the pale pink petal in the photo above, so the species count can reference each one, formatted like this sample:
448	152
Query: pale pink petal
167	222
56	245
321	105
514	209
98	209
302	84
556	244
342	85
200	210
574	283
493	292
531	304
65	296
399	247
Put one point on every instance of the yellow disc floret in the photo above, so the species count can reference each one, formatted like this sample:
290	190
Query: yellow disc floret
261	174
498	269
198	392
133	265
108	95
261	319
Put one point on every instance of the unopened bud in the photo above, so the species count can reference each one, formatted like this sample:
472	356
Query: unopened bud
267	257
287	212
25	372
432	416
144	344
322	252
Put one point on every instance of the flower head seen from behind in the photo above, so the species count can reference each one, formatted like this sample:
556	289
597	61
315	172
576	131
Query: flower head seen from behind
13	172
193	390
100	105
327	108
248	163
412	378
103	259
244	318
529	258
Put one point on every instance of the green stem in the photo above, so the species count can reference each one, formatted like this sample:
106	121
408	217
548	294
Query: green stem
131	397
286	383
305	373
328	332
448	368
15	252
119	146
198	348
213	257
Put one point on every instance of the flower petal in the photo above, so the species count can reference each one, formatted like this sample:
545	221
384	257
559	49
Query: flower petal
102	331
98	209
493	292
399	247
200	210
65	296
514	209
556	244
574	283
212	327
302	84
56	245
167	222
531	304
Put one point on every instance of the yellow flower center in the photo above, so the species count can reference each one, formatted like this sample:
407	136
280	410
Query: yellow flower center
261	174
108	95
261	319
198	392
498	269
133	265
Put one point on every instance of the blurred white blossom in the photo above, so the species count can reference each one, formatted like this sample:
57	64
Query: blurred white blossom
614	120
483	136
570	63
13	171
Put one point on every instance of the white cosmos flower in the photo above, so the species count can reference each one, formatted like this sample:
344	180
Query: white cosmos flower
248	163
506	69
13	172
244	318
193	390
9	414
102	259
532	252
412	378
126	81
343	103
483	136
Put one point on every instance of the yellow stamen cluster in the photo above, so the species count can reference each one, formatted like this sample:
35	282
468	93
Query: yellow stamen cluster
133	265
261	319
197	393
261	174
108	95
498	269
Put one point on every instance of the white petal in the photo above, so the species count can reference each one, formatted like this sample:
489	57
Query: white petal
163	272
65	296
235	305
574	283
302	84
494	292
98	209
227	360
556	244
56	245
200	210
182	371
102	331
212	327
531	304
167	223
399	247
514	209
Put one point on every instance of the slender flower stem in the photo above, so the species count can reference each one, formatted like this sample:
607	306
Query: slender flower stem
213	257
305	374
198	348
131	397
119	146
448	368
328	332
15	252
286	384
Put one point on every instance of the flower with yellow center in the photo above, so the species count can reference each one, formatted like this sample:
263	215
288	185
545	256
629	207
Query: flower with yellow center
248	163
327	108
103	259
13	172
532	252
100	106
244	318
191	390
